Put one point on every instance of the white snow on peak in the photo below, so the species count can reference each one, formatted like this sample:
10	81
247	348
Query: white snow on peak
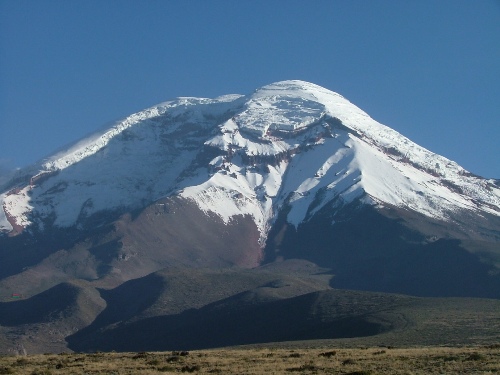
364	157
95	142
289	143
293	88
286	106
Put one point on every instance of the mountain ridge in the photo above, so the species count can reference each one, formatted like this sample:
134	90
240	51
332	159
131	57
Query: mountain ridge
270	128
227	181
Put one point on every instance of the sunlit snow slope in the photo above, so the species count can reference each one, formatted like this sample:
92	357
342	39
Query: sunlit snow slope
290	144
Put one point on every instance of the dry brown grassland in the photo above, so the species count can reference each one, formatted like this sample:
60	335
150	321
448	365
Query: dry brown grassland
380	360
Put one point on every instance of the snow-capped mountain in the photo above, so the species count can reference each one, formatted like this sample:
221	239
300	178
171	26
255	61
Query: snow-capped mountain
290	142
292	170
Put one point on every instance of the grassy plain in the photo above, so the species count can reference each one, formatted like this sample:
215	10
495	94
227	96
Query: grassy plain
269	360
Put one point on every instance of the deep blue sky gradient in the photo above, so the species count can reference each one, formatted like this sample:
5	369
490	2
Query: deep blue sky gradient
429	69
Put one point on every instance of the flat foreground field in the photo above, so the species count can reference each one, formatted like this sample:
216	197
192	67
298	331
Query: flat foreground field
380	360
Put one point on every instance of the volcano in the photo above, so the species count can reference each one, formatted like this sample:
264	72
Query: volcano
292	177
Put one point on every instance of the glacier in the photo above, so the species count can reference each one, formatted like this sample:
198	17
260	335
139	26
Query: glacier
289	144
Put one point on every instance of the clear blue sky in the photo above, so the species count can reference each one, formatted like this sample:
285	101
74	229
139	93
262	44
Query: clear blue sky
429	69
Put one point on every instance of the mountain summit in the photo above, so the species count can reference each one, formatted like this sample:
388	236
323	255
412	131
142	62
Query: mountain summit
292	170
312	144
